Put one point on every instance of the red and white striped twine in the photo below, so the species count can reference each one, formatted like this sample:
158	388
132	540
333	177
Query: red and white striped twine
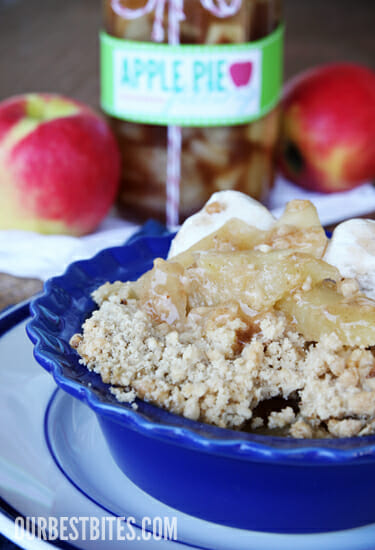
219	8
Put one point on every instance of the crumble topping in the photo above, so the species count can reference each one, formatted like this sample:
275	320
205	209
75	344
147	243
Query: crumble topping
248	329
208	371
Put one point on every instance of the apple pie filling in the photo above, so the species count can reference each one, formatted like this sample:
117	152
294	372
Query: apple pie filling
238	157
247	329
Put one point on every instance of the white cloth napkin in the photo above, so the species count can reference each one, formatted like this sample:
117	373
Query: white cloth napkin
27	254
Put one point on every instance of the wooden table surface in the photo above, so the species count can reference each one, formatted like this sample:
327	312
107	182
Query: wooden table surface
52	45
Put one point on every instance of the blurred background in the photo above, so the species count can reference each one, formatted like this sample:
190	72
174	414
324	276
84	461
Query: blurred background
52	45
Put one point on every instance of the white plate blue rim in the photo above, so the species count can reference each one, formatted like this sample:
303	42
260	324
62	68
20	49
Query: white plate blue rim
10	318
59	463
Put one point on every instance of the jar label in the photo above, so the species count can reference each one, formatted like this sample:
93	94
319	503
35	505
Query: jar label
190	85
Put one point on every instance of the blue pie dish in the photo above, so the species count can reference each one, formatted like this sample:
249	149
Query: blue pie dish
238	479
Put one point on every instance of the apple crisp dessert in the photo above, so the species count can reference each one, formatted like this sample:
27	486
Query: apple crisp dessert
248	328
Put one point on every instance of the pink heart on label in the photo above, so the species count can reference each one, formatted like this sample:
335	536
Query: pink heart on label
241	73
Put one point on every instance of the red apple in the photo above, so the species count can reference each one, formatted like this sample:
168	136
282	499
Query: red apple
328	128
59	165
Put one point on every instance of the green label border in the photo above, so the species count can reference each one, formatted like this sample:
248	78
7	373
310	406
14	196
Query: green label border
272	71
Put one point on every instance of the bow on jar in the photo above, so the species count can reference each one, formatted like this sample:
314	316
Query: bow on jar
218	8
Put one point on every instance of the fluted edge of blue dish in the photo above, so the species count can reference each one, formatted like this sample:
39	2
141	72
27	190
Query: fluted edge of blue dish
65	303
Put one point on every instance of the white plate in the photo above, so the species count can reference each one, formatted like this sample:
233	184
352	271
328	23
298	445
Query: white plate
54	462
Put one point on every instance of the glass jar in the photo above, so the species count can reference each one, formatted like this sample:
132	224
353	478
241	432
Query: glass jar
240	156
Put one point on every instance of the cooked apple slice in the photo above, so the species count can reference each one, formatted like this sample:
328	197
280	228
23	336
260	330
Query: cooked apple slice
265	131
222	135
232	236
258	175
299	213
230	178
211	154
311	241
253	278
299	228
225	33
193	191
161	292
137	29
323	310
